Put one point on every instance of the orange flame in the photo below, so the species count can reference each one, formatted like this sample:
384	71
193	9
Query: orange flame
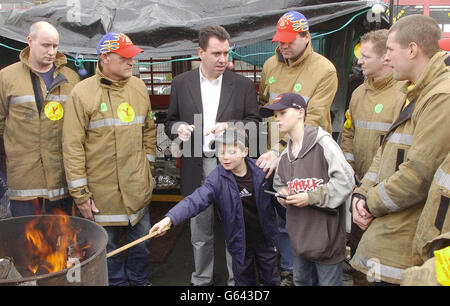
48	241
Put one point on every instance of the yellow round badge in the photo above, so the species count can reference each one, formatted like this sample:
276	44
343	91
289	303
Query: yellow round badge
54	110
125	112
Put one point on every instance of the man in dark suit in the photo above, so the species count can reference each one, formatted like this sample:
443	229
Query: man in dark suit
203	102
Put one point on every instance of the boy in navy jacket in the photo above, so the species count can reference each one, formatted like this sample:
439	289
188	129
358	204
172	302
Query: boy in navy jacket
236	187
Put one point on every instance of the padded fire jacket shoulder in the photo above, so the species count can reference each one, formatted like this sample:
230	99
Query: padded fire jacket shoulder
312	76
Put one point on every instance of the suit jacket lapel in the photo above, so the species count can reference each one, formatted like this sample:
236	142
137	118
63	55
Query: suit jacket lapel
225	93
195	91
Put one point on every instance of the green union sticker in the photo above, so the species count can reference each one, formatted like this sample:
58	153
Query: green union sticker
297	87
378	108
103	107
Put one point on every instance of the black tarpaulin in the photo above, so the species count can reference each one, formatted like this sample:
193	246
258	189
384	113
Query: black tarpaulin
170	27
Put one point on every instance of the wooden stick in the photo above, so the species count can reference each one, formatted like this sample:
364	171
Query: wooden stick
133	243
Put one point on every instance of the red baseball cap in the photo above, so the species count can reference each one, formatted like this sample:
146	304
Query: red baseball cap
444	44
113	42
289	25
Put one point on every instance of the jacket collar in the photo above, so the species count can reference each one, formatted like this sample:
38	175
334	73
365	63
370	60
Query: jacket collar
60	60
257	176
310	138
433	69
308	51
109	83
385	82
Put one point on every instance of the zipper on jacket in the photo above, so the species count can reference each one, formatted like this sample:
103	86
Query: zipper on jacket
58	80
117	168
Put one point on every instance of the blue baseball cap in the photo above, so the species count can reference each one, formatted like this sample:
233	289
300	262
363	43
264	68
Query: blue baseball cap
283	101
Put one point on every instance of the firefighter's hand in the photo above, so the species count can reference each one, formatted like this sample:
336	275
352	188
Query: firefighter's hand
268	162
88	209
161	227
360	215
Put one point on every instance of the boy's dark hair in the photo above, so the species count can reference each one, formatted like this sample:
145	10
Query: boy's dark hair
212	30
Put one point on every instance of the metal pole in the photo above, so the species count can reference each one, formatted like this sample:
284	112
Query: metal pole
391	10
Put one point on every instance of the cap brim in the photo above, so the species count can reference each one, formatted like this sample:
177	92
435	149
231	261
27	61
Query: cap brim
444	44
129	52
284	37
267	111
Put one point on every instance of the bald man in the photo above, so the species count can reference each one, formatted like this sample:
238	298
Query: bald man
33	92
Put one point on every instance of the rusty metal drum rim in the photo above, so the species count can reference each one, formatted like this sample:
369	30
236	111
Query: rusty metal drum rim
61	272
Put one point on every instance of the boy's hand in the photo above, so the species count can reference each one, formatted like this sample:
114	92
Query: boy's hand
161	227
299	199
285	192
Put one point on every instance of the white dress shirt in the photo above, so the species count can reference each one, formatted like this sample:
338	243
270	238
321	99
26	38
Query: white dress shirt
210	91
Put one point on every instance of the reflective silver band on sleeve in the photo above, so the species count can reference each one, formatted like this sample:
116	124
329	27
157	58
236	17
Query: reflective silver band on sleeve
371	176
77	183
442	178
151	158
349	156
387	201
404	139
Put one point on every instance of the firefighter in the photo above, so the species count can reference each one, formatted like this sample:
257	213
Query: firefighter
33	94
109	141
371	111
393	191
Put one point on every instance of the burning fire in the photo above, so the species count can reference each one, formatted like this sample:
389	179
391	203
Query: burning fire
49	241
